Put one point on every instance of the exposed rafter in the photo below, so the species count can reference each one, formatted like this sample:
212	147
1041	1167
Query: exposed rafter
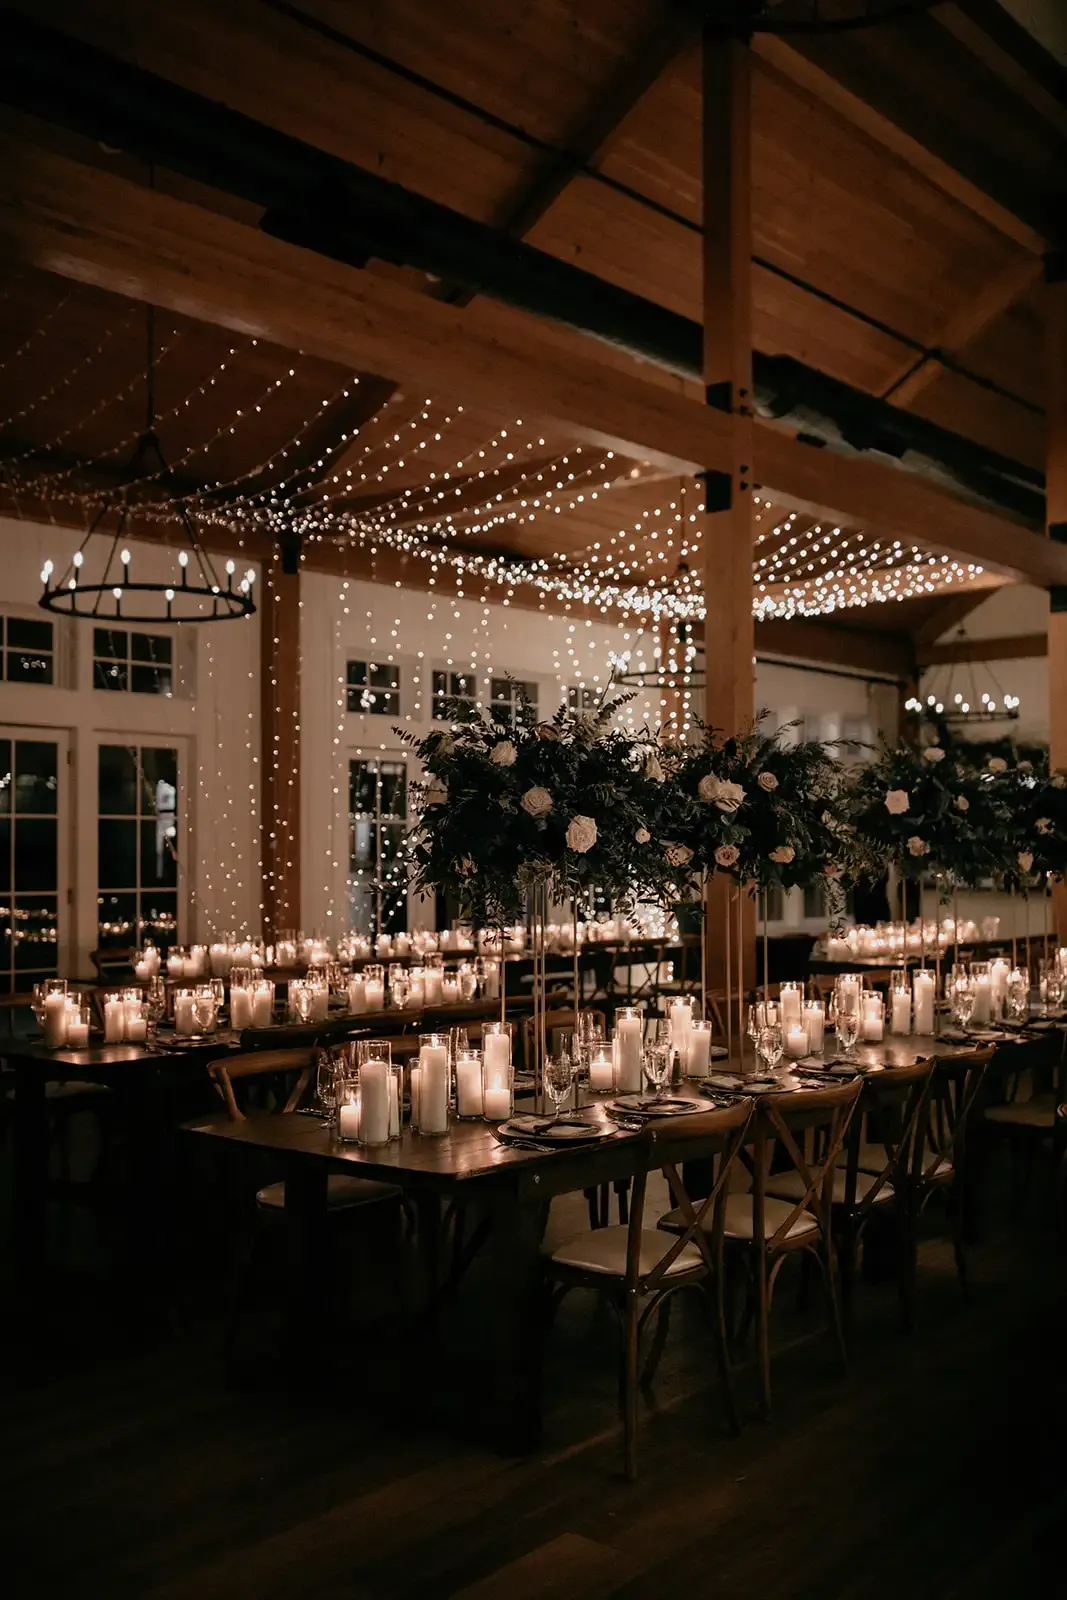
1016	647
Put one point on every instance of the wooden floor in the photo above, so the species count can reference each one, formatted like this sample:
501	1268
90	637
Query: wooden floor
129	1467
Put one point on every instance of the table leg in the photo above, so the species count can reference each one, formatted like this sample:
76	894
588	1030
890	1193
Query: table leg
517	1311
308	1259
30	1174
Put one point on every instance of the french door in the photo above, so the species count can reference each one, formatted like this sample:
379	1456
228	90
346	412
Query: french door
377	824
34	822
137	837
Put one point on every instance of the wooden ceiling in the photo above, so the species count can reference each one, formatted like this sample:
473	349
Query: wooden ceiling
903	182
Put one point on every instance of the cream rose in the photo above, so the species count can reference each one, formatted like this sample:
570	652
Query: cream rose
1026	860
581	834
917	846
1043	824
720	792
933	753
727	855
830	871
768	781
678	855
897	801
652	767
997	764
783	855
642	836
503	754
537	802
962	803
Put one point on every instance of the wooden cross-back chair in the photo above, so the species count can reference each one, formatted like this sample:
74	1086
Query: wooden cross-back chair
557	1023
284	1074
883	1155
1028	1083
955	1097
763	1229
637	1271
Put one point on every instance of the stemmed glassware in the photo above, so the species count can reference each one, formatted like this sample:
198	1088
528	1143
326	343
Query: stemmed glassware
329	1081
963	998
847	1027
155	1001
657	1067
1050	986
559	1075
770	1045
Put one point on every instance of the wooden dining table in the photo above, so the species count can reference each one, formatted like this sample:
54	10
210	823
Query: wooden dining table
513	1188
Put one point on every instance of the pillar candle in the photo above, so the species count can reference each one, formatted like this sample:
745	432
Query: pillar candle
403	945
900	1011
983	1000
998	977
491	985
55	1023
142	969
699	1052
175	966
923	992
348	1118
357	995
375	995
414	1097
262	1006
601	1073
320	1004
681	1019
449	990
433	1088
628	1036
796	1041
469	1086
77	1034
394	1105
115	1021
814	1014
873	1019
496	1048
240	1008
374	1078
497	1099
432	986
790	1000
383	946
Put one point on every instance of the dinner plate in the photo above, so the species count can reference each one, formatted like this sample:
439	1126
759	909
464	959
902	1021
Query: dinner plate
561	1133
643	1105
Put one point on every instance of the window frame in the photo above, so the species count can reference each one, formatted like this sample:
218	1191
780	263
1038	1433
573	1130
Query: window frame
140	741
369	665
474	699
130	662
515	687
9	614
64	814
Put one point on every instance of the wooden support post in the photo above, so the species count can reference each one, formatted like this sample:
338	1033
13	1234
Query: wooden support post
279	622
1056	501
725	520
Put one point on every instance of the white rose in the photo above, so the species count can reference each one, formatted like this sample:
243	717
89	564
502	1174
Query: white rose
651	767
997	764
768	781
934	753
1026	860
1043	824
445	745
720	792
962	803
503	754
642	836
537	802
581	834
917	846
727	855
783	855
897	801
1058	780
436	793
679	855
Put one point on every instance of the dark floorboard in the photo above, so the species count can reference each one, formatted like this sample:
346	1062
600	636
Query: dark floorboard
132	1468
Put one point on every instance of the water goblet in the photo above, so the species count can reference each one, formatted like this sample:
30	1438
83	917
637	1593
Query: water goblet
559	1075
963	998
770	1045
847	1028
656	1063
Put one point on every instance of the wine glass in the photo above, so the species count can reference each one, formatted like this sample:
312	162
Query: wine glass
559	1075
155	1001
963	998
770	1046
1018	995
1050	984
205	1014
657	1067
329	1081
848	1028
399	986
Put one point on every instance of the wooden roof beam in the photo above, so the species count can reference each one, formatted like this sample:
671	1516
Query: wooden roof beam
949	613
1019	647
82	223
860	650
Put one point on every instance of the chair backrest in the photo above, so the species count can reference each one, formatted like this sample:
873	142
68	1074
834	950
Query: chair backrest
958	1081
712	1136
262	1064
557	1023
305	1035
895	1105
827	1115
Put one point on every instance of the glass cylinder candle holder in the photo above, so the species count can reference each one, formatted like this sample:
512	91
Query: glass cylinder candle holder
498	1081
795	1041
981	974
434	979
468	980
873	1017
430	1085
680	1017
999	973
814	1020
628	1046
487	971
368	1107
467	1070
923	996
298	1001
285	947
241	979
899	1004
449	986
184	1013
176	963
79	1020
848	992
1017	994
262	1003
357	993
699	1062
601	1067
319	989
791	1004
374	986
53	1012
205	1009
113	1007
136	1024
196	961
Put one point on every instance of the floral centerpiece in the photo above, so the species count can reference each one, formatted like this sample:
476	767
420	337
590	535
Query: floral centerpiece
1033	817
506	807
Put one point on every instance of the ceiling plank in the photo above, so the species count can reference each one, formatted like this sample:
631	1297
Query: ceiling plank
1016	647
966	324
805	74
887	654
86	224
949	613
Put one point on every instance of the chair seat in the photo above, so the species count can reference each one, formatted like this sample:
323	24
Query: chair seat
790	1185
739	1218
873	1159
1040	1112
603	1250
341	1193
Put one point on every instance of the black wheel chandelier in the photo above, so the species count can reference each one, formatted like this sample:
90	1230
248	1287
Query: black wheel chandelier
746	17
197	593
966	707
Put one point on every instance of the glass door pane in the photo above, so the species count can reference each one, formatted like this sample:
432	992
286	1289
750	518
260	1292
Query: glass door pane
137	830
377	867
29	860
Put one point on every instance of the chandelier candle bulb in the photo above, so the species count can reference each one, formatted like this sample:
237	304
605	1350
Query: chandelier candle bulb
815	1021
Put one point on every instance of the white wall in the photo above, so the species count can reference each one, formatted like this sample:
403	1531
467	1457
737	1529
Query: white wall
212	718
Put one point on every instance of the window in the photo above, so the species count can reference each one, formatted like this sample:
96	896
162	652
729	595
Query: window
27	651
29	861
455	696
583	699
815	902
507	696
139	662
373	690
377	865
137	839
